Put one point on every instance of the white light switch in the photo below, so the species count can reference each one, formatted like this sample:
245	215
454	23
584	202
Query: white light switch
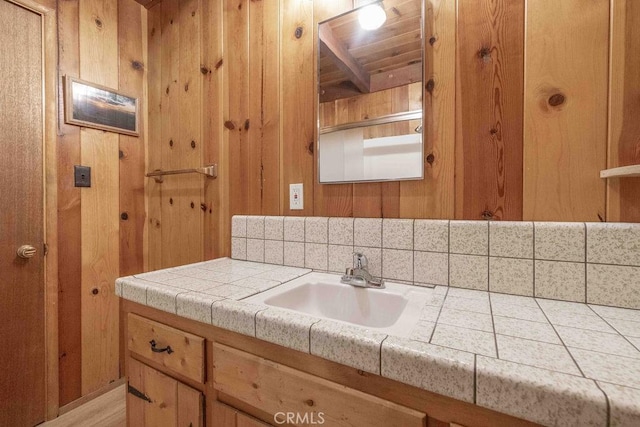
296	197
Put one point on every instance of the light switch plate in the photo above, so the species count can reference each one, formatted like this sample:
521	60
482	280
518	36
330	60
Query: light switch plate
296	197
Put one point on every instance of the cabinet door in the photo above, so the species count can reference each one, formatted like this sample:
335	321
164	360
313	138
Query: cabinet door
226	416
155	399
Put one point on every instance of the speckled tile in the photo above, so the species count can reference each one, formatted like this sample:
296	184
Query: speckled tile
469	237
135	290
274	228
616	313
163	297
192	284
196	273
512	239
349	345
467	304
592	322
239	247
340	257
511	276
613	243
397	233
235	316
255	227
514	300
162	276
535	353
634	341
316	256
613	285
466	319
560	241
294	228
239	226
431	268
549	305
560	280
367	232
607	367
284	328
435	299
431	235
195	306
533	314
628	328
430	313
597	341
374	256
625	411
274	252
440	370
519	328
469	271
118	288
230	291
470	340
468	294
294	254
282	274
397	264
422	331
255	250
539	395
316	229
256	283
341	231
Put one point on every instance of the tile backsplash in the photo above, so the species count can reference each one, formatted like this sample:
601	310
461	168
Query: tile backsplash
597	263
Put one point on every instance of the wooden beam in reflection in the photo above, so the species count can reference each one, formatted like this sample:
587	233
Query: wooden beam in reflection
337	51
398	77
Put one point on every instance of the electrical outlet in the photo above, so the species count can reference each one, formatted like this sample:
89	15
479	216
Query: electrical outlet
82	176
296	197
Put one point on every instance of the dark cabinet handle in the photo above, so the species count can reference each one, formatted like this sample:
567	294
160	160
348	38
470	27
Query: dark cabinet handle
160	350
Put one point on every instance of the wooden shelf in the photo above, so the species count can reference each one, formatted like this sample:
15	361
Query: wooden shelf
621	172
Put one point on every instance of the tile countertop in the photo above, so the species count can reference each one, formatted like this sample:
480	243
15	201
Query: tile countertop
550	362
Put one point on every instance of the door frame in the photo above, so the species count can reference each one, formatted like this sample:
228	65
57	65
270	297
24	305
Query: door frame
47	10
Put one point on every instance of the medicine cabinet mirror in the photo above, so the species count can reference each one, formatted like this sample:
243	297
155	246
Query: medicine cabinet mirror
370	93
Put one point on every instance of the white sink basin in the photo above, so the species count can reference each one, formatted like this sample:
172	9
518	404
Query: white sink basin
394	310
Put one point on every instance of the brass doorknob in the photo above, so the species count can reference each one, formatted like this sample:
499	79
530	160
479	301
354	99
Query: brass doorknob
26	251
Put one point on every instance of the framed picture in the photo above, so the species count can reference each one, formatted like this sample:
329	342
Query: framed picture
91	105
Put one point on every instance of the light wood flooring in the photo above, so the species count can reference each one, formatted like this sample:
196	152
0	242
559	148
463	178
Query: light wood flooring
107	410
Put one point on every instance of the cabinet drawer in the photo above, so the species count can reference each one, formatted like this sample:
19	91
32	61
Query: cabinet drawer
176	350
278	389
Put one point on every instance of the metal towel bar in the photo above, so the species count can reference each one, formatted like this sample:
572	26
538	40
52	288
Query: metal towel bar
210	171
382	120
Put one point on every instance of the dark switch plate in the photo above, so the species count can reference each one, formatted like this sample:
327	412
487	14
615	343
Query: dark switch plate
82	176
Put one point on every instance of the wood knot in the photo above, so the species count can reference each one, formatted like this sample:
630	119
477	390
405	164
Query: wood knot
193	205
193	144
254	385
171	200
229	125
137	65
171	143
95	291
219	64
167	90
153	31
493	131
157	223
203	207
124	216
204	70
310	147
299	32
193	13
246	124
485	54
396	11
487	215
431	158
98	22
171	22
432	40
430	85
556	99
309	402
120	154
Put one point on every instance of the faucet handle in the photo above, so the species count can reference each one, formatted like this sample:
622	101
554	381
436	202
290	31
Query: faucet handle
359	260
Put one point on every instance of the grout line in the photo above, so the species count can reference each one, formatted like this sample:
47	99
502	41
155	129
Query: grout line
475	378
586	281
380	359
606	398
489	256
533	256
448	253
614	328
438	317
493	325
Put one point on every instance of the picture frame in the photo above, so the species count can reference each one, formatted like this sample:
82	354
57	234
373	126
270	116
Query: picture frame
91	105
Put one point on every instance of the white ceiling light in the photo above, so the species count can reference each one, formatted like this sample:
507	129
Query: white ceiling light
372	17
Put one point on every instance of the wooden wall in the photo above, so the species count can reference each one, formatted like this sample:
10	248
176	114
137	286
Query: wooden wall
100	228
524	101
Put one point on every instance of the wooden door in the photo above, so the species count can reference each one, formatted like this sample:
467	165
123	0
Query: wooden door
226	416
157	400
22	340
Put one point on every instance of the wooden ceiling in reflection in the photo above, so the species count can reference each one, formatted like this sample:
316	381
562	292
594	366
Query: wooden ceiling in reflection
354	61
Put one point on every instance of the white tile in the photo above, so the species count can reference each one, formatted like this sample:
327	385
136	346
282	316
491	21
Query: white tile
235	316
440	370
162	276
294	254
367	232
550	305
397	264
431	268
397	233
511	276
239	247
469	271
431	235
634	341
274	252
511	239
616	313
535	353
255	227
255	250
256	283
468	293
539	395
118	288
430	313
230	291
536	331
274	227
195	306
591	322
533	314
340	257
613	243
163	297
607	367
294	229
316	229
341	231
473	341
469	237
193	284
560	241
466	319
239	226
374	257
316	256
282	274
625	410
467	304
627	328
610	343
514	300
284	328
613	285
422	331
135	290
561	280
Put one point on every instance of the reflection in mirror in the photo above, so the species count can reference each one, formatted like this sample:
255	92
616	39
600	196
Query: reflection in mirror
370	94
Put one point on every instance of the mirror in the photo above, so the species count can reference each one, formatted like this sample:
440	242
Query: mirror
370	93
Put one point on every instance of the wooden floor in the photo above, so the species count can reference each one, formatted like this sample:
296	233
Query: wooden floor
107	410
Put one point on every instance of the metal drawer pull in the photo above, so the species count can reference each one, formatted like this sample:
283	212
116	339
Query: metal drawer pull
160	350
26	251
137	393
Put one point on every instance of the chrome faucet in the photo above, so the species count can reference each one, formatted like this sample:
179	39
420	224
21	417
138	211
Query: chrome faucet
358	275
